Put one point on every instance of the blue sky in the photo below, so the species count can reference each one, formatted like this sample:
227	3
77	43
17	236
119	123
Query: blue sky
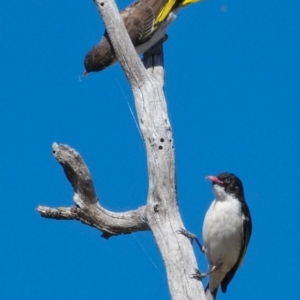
232	87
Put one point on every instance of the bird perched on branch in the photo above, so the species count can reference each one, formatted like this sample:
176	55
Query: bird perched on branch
146	22
226	232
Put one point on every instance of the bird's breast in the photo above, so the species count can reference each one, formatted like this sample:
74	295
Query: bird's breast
222	233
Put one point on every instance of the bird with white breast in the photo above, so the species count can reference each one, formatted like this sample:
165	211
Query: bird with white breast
226	233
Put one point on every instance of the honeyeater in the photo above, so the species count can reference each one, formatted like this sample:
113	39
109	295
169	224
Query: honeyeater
226	232
146	22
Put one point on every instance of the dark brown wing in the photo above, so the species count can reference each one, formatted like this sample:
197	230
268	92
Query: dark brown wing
140	17
246	234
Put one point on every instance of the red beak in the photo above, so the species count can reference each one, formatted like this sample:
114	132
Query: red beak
214	179
85	73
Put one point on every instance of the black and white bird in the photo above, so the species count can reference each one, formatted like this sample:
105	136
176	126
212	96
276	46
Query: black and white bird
226	232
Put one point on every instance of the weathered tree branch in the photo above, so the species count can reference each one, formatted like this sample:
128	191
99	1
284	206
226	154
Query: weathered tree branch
88	209
161	213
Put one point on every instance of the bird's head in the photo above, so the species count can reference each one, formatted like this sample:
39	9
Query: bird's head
94	61
227	184
100	56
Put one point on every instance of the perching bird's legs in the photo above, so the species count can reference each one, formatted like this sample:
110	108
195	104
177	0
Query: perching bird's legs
192	237
199	276
155	49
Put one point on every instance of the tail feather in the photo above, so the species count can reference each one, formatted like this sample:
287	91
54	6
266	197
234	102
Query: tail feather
210	295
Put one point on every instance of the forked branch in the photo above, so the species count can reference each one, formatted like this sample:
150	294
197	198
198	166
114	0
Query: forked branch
88	209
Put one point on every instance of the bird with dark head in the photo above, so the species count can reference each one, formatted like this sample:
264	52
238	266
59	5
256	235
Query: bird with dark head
226	232
146	22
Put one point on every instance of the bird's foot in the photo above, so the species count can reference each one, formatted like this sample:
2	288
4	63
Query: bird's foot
187	234
198	275
192	237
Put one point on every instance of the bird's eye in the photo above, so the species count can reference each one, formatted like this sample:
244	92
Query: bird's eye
227	180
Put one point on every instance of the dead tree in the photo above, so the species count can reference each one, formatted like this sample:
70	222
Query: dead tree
161	213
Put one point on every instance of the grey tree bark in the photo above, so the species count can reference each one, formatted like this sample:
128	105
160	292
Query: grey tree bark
161	212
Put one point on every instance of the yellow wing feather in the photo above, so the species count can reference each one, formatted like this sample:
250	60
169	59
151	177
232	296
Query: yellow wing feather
165	11
168	8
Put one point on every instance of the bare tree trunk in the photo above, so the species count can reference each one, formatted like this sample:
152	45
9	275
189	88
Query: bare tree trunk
161	213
